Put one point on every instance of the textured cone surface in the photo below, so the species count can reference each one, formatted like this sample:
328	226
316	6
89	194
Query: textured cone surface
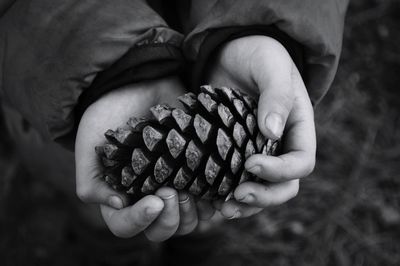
201	149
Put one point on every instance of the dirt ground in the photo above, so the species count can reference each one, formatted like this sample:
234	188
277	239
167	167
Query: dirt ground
347	211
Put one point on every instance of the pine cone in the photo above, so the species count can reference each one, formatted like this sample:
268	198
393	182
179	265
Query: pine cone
201	150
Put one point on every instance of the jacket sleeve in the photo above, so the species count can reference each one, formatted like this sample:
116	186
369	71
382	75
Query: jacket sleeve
58	56
316	26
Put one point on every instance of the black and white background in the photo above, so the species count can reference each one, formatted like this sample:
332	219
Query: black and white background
347	211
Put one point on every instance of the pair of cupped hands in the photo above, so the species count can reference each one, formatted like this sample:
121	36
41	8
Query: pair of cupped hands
257	65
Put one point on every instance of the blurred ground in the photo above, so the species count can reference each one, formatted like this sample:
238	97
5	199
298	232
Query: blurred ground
347	212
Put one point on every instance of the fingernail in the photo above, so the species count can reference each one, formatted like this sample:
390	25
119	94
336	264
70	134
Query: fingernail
151	211
183	199
168	197
249	198
256	169
116	202
274	124
237	214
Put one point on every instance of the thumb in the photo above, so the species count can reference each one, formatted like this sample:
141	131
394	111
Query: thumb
133	219
97	191
275	103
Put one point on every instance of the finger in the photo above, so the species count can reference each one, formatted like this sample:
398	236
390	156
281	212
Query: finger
205	210
168	221
262	196
289	166
276	98
298	159
187	213
134	219
205	225
233	210
95	190
217	204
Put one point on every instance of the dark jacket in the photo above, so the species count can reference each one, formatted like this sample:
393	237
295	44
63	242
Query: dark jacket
58	56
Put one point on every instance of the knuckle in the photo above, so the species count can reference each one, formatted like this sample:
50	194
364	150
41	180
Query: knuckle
119	233
83	193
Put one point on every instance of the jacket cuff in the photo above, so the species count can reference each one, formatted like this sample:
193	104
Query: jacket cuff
146	62
217	37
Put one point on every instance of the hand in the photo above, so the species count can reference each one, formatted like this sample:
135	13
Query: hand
161	215
260	65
